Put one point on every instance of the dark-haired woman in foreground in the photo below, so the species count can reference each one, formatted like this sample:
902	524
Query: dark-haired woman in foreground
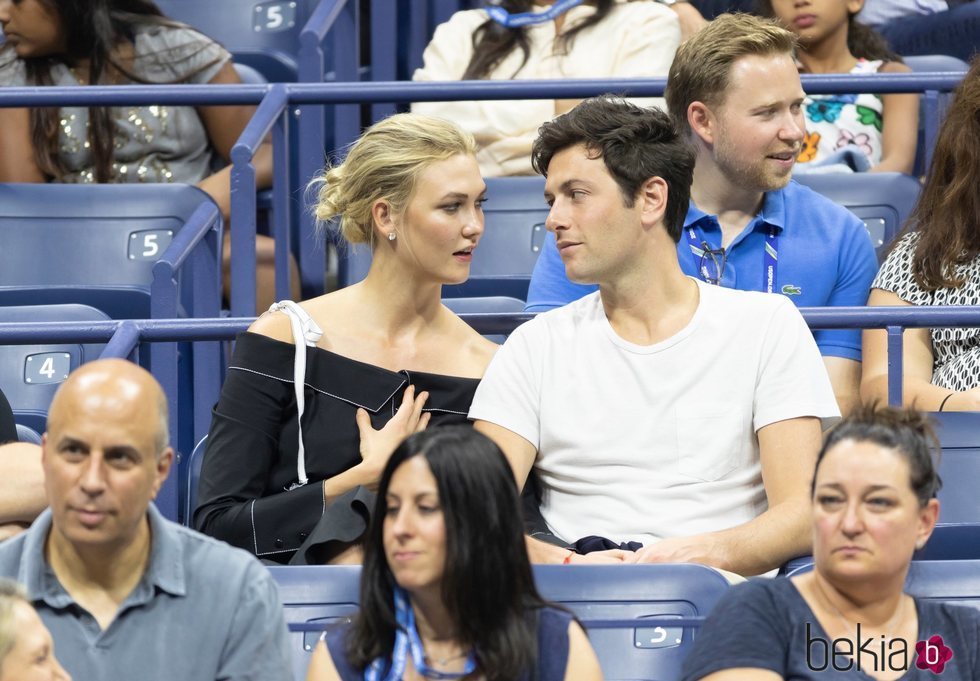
874	504
447	590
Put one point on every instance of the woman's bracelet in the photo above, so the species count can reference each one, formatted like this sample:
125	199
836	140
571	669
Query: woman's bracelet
945	400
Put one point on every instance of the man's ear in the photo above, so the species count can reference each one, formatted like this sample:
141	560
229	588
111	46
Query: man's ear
702	121
653	198
163	464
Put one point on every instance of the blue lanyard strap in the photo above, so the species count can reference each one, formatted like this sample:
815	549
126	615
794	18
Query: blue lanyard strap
407	638
770	257
505	18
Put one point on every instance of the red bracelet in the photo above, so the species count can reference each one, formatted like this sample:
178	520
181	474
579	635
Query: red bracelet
568	558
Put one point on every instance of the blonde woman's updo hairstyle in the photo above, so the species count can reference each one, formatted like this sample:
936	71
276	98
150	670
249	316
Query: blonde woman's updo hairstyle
384	164
10	594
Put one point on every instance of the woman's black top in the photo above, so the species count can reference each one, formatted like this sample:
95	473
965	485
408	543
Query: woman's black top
244	495
766	624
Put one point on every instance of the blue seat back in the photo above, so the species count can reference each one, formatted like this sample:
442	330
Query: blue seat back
28	435
504	259
322	595
883	201
959	467
932	105
953	581
190	478
30	374
97	245
260	34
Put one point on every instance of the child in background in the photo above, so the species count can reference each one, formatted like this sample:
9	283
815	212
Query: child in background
882	127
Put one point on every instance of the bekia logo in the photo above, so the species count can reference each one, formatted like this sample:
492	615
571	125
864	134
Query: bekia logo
932	654
874	654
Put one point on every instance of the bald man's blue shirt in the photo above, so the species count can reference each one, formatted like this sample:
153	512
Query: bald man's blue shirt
824	259
201	611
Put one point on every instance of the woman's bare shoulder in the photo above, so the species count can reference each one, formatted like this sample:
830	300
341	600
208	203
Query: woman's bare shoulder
276	324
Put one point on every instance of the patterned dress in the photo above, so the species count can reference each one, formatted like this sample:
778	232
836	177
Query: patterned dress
836	121
153	143
956	352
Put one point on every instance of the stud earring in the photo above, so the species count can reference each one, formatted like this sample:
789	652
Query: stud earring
392	236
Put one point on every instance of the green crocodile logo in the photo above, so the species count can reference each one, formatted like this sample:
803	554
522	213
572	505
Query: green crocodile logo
791	290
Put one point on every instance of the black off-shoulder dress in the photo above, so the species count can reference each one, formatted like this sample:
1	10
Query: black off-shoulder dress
246	495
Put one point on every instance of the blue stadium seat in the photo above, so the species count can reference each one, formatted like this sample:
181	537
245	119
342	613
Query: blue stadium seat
953	581
30	374
932	105
28	435
263	35
502	263
957	537
325	594
133	251
109	246
882	200
191	476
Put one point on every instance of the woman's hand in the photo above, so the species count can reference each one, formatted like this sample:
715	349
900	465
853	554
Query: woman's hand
378	445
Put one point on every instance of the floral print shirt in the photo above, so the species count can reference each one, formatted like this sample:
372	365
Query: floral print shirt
836	121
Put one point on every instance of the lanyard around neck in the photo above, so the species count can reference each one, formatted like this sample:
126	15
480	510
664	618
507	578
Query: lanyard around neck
769	257
505	18
407	638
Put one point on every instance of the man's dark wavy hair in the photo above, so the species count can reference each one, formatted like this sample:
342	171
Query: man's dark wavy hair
635	143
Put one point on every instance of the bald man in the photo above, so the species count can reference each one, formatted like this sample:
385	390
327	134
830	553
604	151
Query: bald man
125	593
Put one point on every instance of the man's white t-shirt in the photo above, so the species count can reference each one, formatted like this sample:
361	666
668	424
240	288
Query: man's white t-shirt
639	443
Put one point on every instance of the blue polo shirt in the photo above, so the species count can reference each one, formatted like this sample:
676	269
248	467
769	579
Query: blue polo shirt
202	611
824	259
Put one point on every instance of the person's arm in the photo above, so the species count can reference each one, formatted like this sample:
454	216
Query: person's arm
521	454
224	125
743	674
845	377
917	367
17	162
321	666
644	43
583	665
900	124
788	452
22	496
856	268
690	18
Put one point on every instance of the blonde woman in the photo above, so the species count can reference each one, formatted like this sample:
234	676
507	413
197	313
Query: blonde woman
26	648
385	357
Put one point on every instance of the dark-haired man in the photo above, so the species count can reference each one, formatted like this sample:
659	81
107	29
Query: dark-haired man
659	410
126	593
734	90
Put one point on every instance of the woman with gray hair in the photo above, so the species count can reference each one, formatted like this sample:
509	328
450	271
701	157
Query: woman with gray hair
26	648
